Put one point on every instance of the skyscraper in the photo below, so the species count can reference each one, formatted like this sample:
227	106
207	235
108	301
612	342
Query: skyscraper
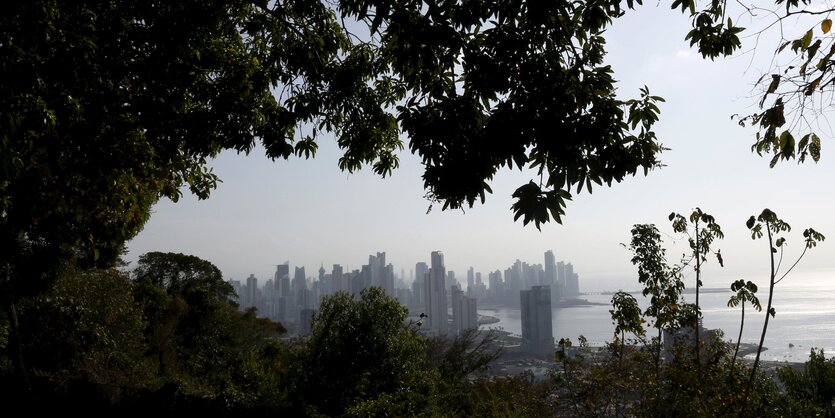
450	279
282	271
572	285
380	276
456	298
537	332
550	268
388	279
435	293
464	311
470	277
337	284
282	284
251	291
470	313
514	280
418	286
299	281
551	278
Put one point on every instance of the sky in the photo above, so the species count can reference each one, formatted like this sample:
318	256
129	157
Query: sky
309	213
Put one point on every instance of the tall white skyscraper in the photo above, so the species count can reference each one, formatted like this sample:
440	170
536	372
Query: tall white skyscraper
435	294
551	277
550	268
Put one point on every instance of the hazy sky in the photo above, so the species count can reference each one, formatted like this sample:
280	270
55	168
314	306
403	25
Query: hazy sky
309	213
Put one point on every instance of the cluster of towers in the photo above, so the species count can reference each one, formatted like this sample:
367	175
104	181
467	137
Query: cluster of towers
447	307
560	277
293	301
434	295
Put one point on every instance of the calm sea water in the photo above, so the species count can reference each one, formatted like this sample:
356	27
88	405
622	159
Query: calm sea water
805	318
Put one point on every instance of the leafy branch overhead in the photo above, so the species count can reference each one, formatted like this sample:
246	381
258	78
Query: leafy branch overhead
109	106
798	88
135	98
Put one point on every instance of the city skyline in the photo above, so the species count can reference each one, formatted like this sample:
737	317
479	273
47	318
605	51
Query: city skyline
413	273
438	302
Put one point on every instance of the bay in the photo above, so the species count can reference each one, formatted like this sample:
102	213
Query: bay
805	318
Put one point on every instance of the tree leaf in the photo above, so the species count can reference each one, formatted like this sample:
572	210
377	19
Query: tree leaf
775	82
806	40
826	25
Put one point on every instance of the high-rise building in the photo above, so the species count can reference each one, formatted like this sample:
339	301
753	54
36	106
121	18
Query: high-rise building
456	295
470	312
299	280
470	277
561	279
464	311
572	282
380	276
282	291
324	287
513	277
269	296
388	279
537	332
361	280
497	287
435	293
251	291
550	268
337	283
282	271
418	287
551	278
450	279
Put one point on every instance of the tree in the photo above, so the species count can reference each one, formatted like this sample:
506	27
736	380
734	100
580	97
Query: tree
626	315
363	359
87	329
457	359
183	296
109	106
811	391
767	220
201	344
705	231
745	292
662	282
186	275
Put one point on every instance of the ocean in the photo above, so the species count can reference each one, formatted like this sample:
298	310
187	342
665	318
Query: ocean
805	318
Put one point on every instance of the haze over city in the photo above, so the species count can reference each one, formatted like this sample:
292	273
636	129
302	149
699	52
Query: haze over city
310	213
